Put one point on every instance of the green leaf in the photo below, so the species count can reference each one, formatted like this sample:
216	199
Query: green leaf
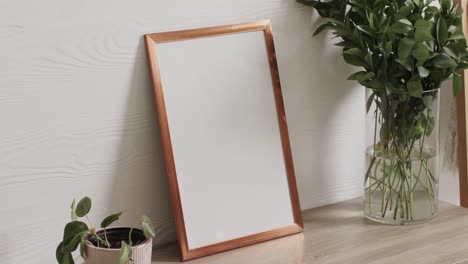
354	60
370	100
427	100
353	51
125	253
430	124
423	31
369	31
462	66
58	252
401	27
73	229
432	9
445	4
443	61
83	207
384	132
67	259
415	88
442	31
361	76
308	2
457	84
405	63
405	11
110	219
73	211
375	84
83	249
456	36
72	245
420	52
148	228
323	27
406	22
404	48
336	21
417	131
450	52
423	72
389	47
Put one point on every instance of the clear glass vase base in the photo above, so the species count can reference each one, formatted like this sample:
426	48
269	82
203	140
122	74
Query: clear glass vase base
399	222
400	211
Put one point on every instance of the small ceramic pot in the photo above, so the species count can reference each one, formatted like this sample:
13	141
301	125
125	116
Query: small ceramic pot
141	253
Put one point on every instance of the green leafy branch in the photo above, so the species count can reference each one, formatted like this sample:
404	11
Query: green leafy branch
403	46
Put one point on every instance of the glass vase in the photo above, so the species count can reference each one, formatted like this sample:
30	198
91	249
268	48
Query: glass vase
402	173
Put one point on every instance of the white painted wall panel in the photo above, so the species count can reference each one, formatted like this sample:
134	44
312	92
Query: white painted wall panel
78	118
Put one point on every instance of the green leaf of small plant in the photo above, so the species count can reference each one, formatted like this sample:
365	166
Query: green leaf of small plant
72	245
83	249
148	228
58	252
73	211
83	207
71	230
110	219
67	259
125	253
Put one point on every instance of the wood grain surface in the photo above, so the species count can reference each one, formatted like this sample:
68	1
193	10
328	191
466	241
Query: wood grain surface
339	233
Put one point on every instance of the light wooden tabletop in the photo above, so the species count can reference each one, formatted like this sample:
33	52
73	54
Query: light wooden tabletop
338	233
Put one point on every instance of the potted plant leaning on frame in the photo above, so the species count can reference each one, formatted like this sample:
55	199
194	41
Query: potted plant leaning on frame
122	245
406	49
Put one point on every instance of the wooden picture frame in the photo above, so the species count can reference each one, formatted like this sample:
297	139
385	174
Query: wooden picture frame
152	40
462	123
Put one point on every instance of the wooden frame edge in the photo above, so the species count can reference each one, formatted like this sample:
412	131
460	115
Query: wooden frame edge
462	147
461	101
151	40
243	241
188	34
281	113
167	148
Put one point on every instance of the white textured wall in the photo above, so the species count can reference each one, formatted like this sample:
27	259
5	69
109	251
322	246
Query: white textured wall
78	118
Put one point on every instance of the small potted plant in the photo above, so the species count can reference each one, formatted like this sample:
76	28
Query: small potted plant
106	245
